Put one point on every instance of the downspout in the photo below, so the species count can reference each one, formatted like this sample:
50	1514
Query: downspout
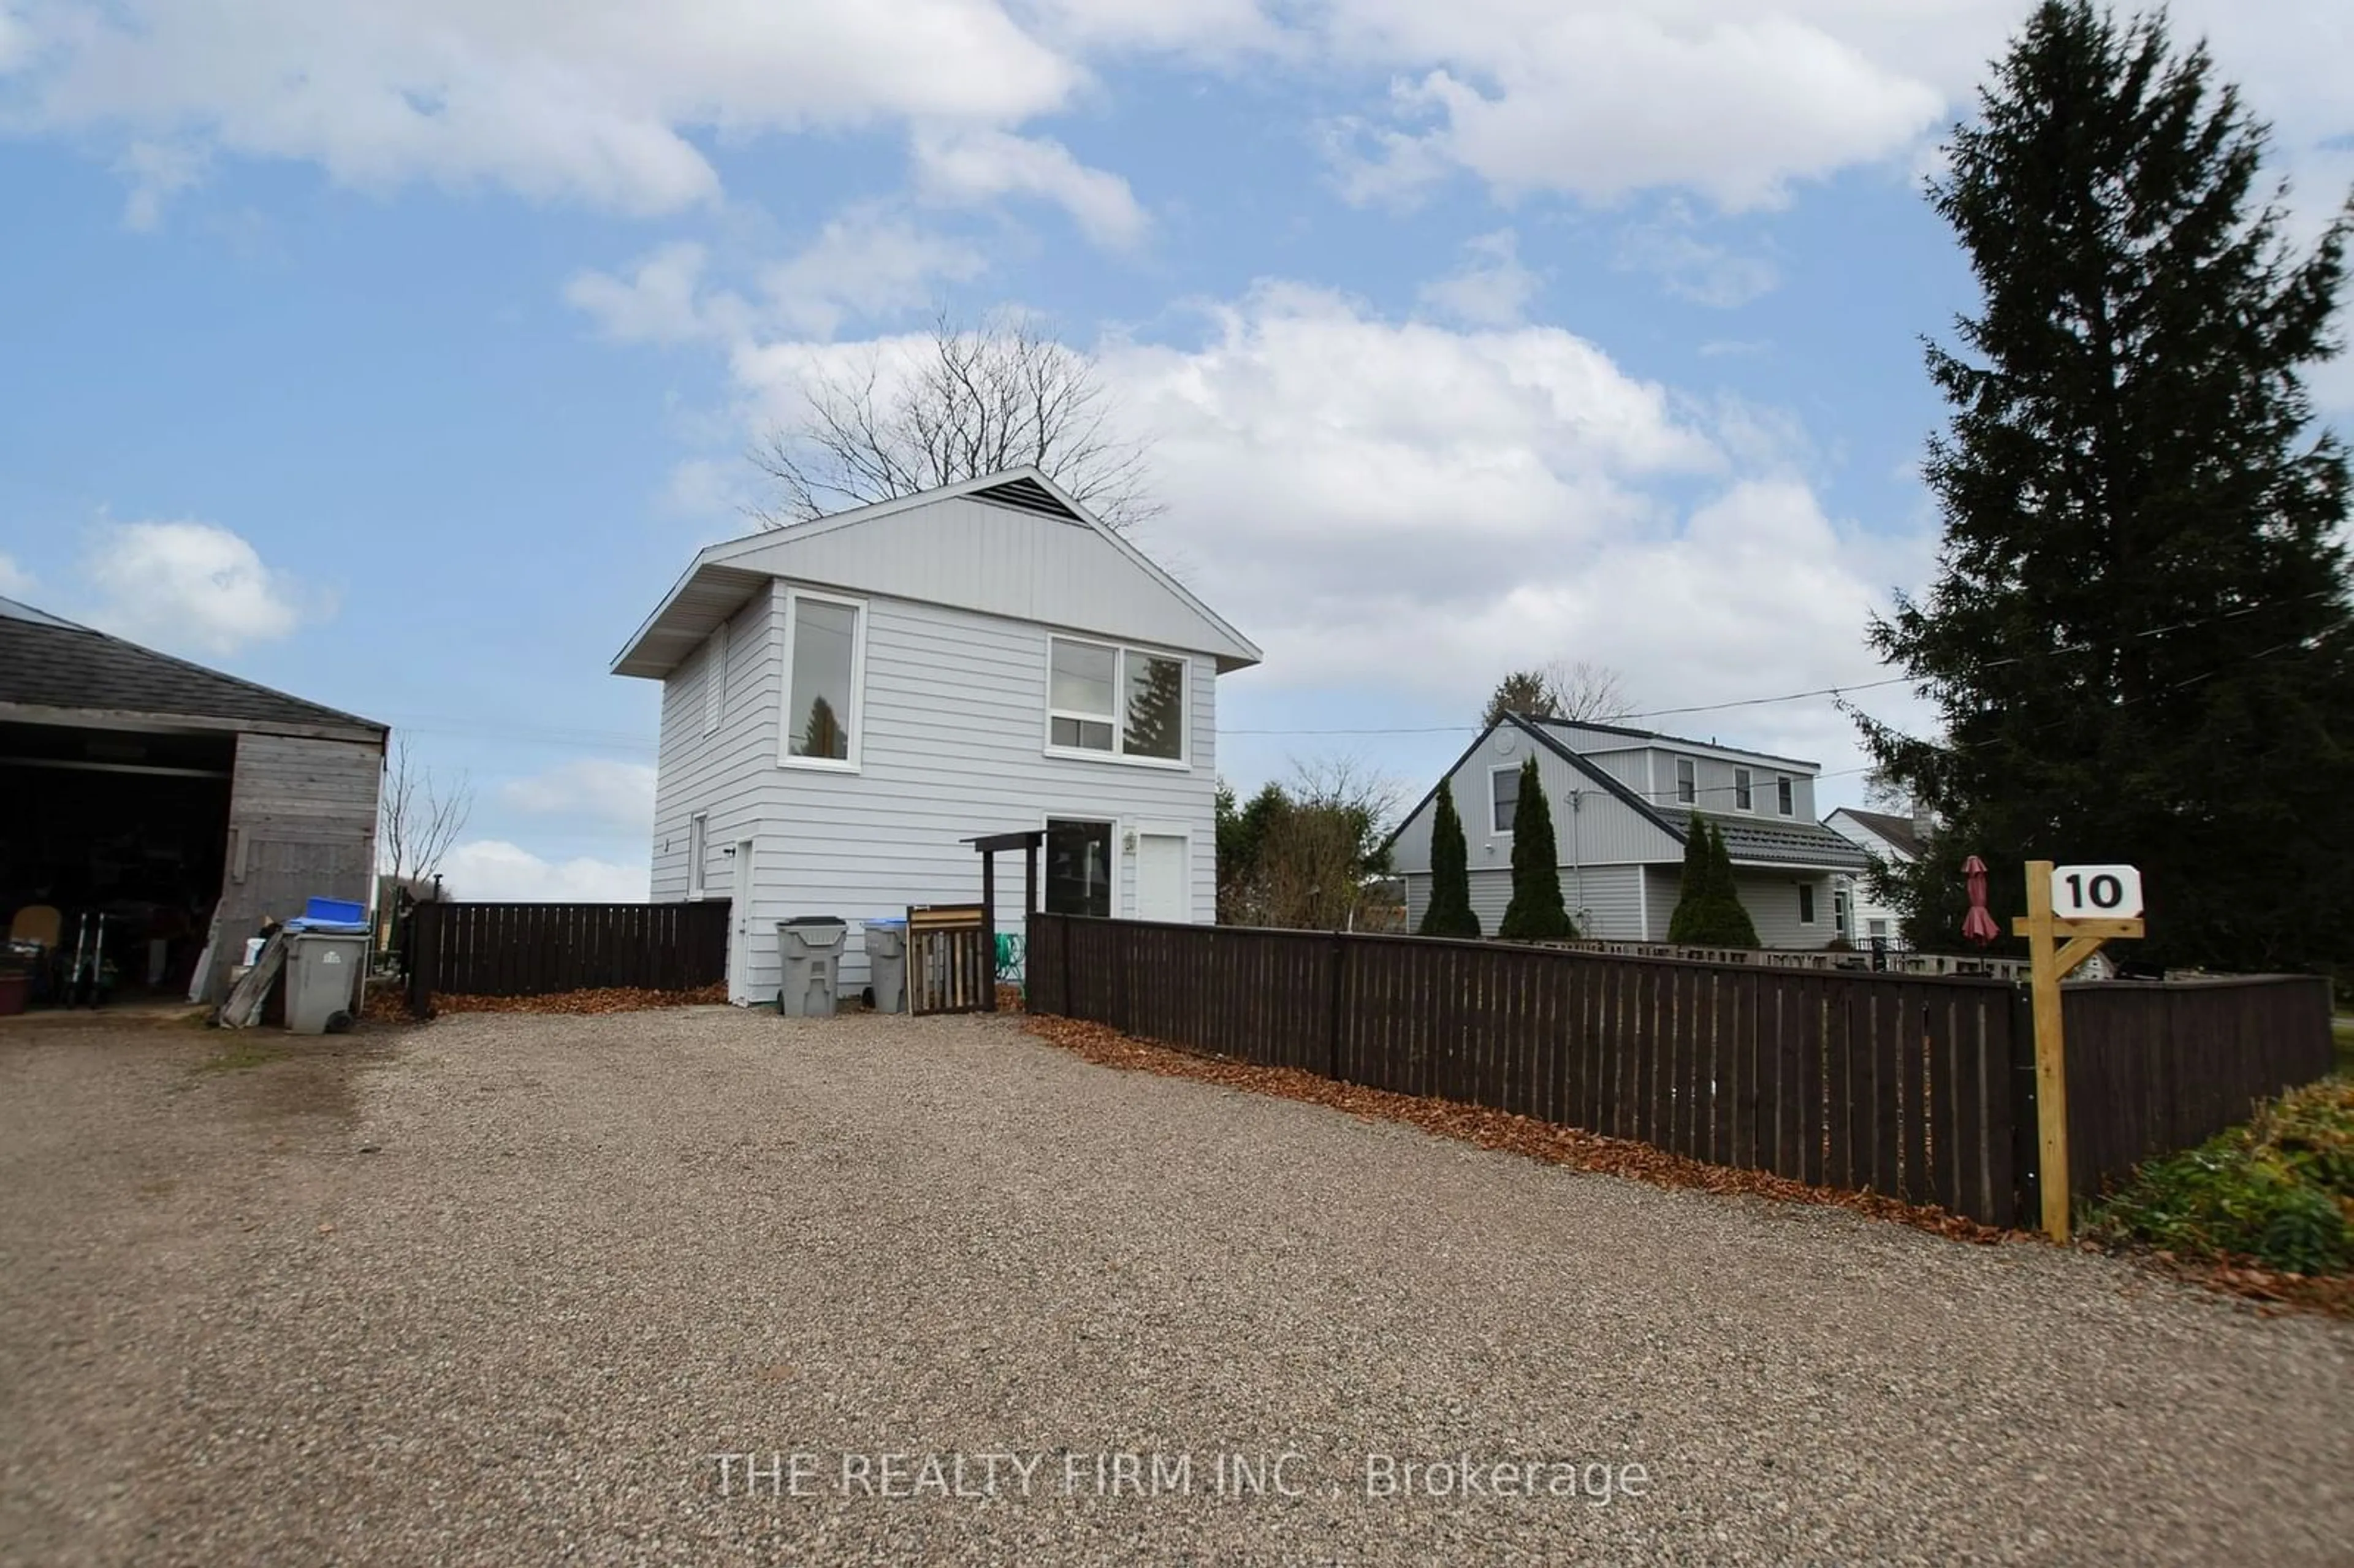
1577	860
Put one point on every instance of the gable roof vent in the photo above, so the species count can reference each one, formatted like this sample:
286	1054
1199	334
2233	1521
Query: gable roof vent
1026	494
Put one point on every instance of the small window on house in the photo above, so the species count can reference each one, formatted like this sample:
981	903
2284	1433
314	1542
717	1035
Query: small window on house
1504	796
1122	702
715	678
1687	781
698	835
821	708
1743	796
1805	903
1786	793
1078	868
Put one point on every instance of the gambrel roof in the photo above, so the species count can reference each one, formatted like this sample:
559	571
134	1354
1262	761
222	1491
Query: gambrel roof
1012	544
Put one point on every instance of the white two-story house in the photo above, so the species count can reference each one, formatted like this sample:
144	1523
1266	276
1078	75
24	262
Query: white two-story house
846	701
1622	801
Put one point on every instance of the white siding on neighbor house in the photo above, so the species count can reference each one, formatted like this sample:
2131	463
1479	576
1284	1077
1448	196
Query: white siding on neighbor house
991	560
1866	910
1595	827
1770	897
1603	899
952	732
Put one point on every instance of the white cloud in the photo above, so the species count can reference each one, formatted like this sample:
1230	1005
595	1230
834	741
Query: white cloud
1670	249
595	789
1491	288
965	167
156	171
1401	507
866	262
662	300
192	585
495	871
589	101
15	580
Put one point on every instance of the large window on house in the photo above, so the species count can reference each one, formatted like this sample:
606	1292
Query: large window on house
1743	793
824	655
1115	702
1078	867
1786	795
1687	781
1503	796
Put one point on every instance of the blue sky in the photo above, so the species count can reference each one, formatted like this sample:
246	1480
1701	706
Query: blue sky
402	355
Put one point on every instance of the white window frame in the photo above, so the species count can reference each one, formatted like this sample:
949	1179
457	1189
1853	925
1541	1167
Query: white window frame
857	716
1745	781
1786	795
1809	906
698	855
715	678
1680	764
1493	830
1181	762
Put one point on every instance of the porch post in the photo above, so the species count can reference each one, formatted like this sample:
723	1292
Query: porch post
989	930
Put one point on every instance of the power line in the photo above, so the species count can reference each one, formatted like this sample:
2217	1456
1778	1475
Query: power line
1835	692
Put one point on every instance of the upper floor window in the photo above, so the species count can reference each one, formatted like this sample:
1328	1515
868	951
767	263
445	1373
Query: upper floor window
1503	797
1743	795
1786	794
1118	701
824	660
1687	781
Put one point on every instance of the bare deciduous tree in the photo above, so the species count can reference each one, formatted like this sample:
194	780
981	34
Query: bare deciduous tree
961	404
1584	692
420	817
1301	856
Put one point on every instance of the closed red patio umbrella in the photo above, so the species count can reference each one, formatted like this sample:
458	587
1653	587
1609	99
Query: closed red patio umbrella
1978	925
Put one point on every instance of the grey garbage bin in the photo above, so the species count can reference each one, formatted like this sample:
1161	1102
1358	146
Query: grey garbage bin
322	978
811	948
887	962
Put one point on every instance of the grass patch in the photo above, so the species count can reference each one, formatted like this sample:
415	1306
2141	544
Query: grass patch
241	1050
2278	1190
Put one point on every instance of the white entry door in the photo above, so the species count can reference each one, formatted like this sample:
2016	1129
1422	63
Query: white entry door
739	927
1160	891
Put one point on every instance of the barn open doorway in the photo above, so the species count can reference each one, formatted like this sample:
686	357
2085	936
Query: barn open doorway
128	824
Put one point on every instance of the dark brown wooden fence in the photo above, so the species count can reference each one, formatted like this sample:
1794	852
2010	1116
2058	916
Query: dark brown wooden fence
2157	1066
535	949
1922	1088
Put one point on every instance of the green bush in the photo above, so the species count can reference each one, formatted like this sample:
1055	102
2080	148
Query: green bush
2279	1190
1536	913
1449	914
1709	912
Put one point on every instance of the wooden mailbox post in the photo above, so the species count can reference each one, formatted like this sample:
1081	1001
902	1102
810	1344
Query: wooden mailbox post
2087	904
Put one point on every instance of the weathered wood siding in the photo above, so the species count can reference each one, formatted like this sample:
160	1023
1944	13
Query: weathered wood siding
302	824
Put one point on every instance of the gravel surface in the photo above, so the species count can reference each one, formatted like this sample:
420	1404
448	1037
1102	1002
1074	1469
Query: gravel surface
587	1255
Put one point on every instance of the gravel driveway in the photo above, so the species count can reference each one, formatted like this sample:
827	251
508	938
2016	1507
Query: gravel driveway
590	1254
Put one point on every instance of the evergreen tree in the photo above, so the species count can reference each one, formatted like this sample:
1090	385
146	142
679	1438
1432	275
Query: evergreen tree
2137	641
1728	924
1449	914
1536	913
1692	893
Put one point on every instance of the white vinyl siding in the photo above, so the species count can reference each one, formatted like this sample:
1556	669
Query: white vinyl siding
1605	900
948	732
714	680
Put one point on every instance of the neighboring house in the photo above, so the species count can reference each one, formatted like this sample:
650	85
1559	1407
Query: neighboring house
1895	841
846	701
185	805
1622	800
